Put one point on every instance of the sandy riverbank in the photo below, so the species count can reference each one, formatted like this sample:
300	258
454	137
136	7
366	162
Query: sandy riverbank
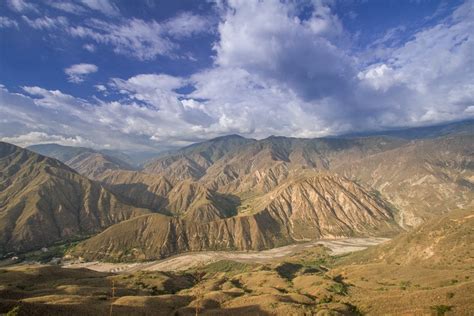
189	260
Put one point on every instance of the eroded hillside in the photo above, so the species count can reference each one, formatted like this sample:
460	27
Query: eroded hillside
43	201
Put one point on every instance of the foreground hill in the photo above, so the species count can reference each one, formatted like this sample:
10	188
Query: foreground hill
395	278
440	242
307	207
43	201
427	271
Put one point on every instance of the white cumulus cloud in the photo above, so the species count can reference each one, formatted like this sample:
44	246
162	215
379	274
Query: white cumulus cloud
275	71
77	73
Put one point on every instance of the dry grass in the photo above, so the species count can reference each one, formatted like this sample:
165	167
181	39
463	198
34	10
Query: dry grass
305	282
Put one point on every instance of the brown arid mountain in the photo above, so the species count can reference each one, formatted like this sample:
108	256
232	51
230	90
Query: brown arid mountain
422	172
43	201
236	193
193	201
141	189
305	208
192	162
238	162
85	161
422	178
185	198
243	167
94	164
419	178
259	194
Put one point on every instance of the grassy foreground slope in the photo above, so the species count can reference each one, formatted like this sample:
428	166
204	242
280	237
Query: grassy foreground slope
395	278
428	270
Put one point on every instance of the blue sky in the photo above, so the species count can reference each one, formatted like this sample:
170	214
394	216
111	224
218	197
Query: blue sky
151	75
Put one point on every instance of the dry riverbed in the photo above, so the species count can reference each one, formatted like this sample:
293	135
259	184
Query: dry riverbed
190	260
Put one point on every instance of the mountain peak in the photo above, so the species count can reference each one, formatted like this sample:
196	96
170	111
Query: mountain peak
227	137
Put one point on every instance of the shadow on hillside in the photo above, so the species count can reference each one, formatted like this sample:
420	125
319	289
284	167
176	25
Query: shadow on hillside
137	194
250	310
230	202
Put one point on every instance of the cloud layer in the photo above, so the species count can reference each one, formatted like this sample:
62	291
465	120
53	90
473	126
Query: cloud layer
142	39
275	71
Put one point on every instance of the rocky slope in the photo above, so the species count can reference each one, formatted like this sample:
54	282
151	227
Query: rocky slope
315	206
43	201
326	206
226	162
192	162
236	166
423	178
185	198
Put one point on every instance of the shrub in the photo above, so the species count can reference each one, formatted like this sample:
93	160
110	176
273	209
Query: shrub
325	299
288	270
227	266
440	310
404	284
338	288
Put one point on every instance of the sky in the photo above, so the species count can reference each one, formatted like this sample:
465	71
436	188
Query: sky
154	75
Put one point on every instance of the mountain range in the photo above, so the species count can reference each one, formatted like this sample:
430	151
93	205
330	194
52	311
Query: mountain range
232	192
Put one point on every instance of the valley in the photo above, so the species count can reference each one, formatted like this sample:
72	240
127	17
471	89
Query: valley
236	157
192	260
328	226
307	281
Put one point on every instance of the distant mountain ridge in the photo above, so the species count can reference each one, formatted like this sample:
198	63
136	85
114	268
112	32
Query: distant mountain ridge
455	128
86	161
